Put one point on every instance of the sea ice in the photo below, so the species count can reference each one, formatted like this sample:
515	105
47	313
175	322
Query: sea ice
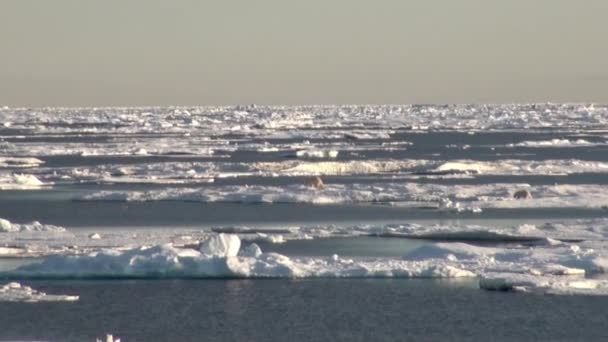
15	292
222	245
20	182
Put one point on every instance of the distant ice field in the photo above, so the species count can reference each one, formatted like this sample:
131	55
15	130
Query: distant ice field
513	196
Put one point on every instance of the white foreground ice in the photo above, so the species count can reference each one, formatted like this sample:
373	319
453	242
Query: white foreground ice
213	260
548	258
553	268
15	292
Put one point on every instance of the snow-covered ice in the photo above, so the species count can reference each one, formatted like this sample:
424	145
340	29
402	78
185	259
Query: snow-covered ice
16	292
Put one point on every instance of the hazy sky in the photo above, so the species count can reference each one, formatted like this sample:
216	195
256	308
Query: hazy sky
153	52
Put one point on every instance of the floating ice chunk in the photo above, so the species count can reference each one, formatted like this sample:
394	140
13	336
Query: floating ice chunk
522	282
316	154
11	251
555	143
94	236
360	135
252	251
141	152
20	182
109	338
19	162
221	245
266	149
465	166
27	180
6	226
15	292
272	238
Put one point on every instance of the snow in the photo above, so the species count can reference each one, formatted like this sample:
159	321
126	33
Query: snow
223	245
15	292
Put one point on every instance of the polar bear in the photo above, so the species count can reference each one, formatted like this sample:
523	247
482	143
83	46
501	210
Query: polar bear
522	194
315	182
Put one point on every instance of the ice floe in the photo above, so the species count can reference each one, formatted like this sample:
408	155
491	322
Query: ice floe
444	197
7	226
217	261
16	292
19	162
20	182
555	269
557	143
548	258
551	284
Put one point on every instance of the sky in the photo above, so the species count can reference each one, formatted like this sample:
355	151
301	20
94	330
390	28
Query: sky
199	52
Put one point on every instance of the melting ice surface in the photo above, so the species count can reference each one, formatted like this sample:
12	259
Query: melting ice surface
466	162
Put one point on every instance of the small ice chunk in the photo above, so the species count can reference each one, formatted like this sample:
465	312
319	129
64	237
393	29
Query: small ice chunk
94	236
15	292
221	245
5	225
252	251
549	284
464	166
11	251
109	338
